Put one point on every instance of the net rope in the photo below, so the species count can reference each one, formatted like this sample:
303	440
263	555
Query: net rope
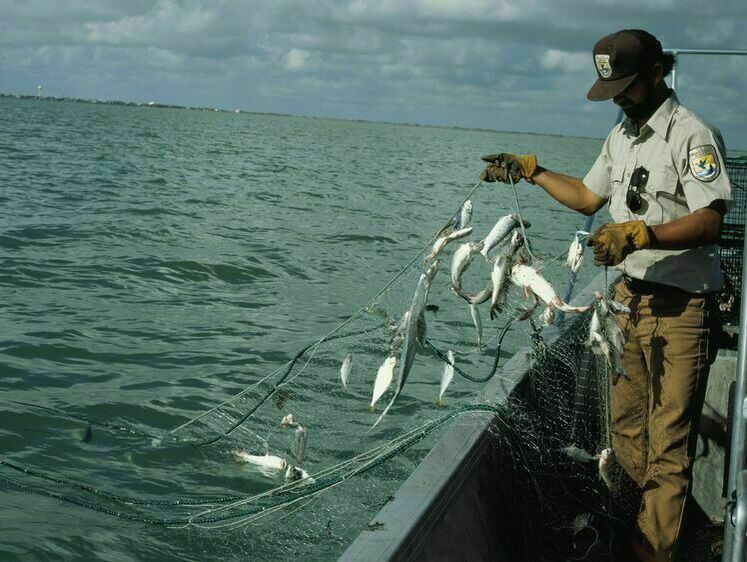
557	409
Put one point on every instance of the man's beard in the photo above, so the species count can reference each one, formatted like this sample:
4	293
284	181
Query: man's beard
647	107
642	110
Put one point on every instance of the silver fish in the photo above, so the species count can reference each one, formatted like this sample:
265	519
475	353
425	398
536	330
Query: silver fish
399	335
417	311
605	335
465	214
345	371
477	321
267	464
606	460
575	255
577	454
409	345
516	241
298	445
461	260
530	279
618	307
499	232
595	330
295	473
616	338
581	522
441	243
383	380
576	252
446	377
499	273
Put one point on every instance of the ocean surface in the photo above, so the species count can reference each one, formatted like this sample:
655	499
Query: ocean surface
156	262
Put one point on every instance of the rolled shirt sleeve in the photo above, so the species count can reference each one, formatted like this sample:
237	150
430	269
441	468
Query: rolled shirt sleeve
702	168
599	178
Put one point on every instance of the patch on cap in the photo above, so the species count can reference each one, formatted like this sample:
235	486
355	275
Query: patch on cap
603	65
704	163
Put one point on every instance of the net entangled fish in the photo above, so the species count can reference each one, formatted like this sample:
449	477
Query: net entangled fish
345	371
446	377
527	277
409	344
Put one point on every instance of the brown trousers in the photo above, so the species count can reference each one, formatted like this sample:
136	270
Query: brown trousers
671	340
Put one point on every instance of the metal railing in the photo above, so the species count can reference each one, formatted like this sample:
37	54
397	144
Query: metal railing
735	518
678	52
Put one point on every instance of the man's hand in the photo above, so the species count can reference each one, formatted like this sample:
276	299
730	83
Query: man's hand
614	241
501	165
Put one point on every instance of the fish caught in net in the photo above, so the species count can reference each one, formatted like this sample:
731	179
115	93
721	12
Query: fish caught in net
385	383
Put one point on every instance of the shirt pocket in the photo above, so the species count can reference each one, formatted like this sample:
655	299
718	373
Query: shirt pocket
617	173
618	209
664	185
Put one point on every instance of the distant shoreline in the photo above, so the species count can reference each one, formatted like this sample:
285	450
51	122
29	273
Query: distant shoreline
154	104
736	152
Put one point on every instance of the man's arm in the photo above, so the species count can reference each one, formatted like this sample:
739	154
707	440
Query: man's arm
568	191
699	228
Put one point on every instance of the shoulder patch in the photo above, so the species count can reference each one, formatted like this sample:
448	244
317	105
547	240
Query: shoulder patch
704	164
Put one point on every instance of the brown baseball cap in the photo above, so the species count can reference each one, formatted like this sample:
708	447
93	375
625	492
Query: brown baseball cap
619	58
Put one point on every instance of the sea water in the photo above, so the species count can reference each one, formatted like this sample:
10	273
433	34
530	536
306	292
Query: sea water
155	262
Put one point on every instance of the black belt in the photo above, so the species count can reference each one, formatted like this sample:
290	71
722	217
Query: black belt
649	287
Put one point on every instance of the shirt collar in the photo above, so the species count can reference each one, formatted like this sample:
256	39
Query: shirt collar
661	118
659	121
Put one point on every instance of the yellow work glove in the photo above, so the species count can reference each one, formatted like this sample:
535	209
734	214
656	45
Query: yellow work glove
614	241
502	164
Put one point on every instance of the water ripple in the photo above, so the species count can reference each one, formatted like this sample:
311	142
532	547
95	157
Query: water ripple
157	261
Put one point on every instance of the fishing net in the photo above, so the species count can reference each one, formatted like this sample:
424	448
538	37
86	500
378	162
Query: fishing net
319	469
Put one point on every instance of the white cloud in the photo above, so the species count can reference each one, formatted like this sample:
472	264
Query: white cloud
168	20
526	64
295	59
492	10
554	59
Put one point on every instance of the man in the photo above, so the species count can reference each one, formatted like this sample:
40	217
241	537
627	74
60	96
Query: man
662	173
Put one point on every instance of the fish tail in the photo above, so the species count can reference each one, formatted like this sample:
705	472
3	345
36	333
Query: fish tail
568	308
439	403
371	408
381	417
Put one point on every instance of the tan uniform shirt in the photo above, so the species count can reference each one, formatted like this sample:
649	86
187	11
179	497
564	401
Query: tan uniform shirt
684	157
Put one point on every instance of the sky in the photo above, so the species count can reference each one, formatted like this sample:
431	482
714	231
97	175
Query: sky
511	65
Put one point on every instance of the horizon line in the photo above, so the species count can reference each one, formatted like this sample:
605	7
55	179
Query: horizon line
158	105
